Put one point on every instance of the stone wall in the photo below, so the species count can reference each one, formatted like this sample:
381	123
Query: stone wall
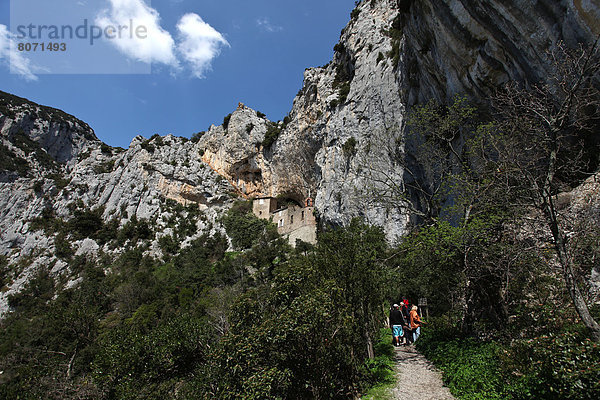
294	217
293	221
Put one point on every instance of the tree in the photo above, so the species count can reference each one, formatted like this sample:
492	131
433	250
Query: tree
448	183
542	147
353	257
433	168
542	143
306	332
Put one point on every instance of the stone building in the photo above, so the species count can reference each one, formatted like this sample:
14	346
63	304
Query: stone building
292	220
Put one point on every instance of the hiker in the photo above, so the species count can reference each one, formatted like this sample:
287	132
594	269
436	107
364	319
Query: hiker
396	323
415	323
408	334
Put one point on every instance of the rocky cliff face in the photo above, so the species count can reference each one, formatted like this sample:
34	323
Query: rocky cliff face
340	137
55	170
56	133
339	141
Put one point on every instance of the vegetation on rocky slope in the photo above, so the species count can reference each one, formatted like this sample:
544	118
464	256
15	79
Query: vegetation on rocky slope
172	313
201	322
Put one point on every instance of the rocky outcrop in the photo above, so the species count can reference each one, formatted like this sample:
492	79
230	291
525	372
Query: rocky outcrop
60	135
341	137
581	208
234	150
49	180
341	144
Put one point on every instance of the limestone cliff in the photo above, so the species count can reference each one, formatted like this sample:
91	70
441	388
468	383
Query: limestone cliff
53	169
339	138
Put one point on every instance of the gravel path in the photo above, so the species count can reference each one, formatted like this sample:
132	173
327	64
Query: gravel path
418	379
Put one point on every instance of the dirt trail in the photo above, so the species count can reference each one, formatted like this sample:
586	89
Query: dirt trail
418	379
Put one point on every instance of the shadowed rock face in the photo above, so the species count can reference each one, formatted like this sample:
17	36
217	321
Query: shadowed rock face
472	46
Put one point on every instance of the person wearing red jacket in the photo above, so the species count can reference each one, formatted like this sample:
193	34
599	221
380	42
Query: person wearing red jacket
408	334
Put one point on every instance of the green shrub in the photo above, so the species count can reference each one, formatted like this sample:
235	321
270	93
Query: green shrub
303	333
149	147
273	132
349	148
106	149
378	373
242	226
38	291
343	91
157	140
104	167
134	365
107	232
395	33
4	271
9	161
196	136
560	365
135	230
471	368
291	342
83	155
339	48
168	244
46	222
226	120
563	365
63	247
342	75
59	180
148	167
38	186
86	223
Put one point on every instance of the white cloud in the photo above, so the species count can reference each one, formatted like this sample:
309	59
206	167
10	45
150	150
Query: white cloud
153	44
266	25
18	63
199	43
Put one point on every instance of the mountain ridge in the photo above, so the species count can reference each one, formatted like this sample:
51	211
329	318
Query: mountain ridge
338	144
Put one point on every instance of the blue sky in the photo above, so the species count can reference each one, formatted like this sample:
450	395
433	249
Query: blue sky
205	57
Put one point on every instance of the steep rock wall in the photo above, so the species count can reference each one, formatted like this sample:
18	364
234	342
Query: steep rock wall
342	134
60	135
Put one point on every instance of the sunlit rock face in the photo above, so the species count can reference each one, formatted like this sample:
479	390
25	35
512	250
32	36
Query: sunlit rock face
53	166
339	144
340	138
